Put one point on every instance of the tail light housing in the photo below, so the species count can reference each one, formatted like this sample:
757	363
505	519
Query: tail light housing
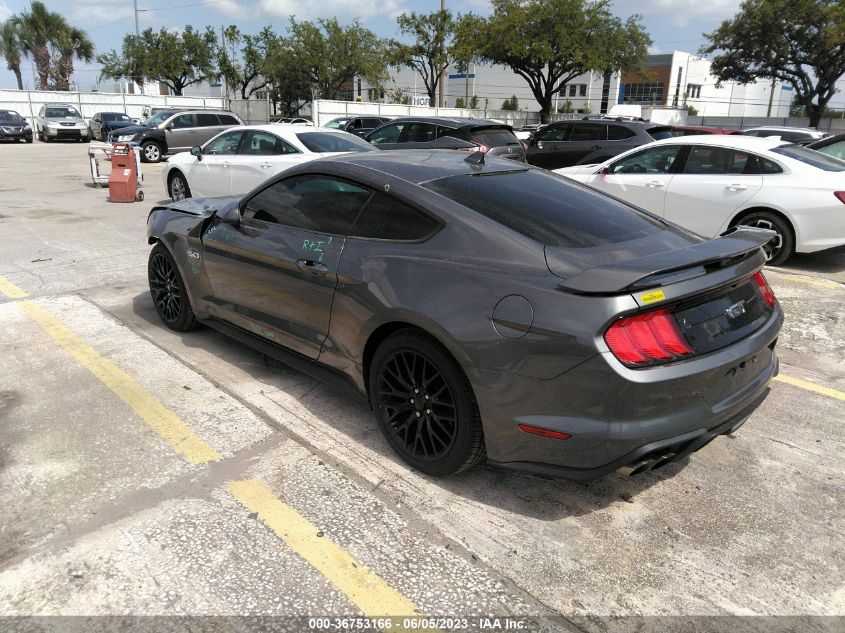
648	338
765	289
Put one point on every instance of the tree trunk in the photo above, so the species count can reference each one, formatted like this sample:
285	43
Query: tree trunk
545	108
41	57
17	71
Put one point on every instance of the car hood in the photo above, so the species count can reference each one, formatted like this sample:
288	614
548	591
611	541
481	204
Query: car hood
135	129
64	119
119	124
584	170
15	125
204	207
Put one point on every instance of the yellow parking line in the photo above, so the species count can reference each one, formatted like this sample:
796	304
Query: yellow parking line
11	290
161	419
372	594
811	386
821	283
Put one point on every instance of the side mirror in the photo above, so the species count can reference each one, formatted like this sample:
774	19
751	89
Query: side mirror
604	171
196	150
169	126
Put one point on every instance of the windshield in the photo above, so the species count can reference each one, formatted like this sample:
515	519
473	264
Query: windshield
333	142
159	118
811	157
10	116
336	123
59	113
548	208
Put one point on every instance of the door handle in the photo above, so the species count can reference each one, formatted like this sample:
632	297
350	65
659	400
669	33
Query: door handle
596	147
654	184
266	165
311	266
226	163
737	187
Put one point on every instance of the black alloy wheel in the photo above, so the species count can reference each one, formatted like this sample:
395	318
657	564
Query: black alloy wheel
179	189
425	406
780	247
168	291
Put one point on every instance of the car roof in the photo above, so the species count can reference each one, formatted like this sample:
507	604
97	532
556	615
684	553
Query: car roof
780	127
737	141
444	120
418	166
704	128
280	129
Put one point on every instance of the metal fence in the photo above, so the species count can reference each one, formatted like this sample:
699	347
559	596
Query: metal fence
28	102
834	126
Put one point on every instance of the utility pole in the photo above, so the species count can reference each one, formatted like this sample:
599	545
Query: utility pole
441	101
137	27
771	97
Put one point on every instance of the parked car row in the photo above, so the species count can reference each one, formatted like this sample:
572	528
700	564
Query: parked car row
13	127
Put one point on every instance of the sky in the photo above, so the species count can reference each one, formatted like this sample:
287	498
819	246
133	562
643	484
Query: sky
672	24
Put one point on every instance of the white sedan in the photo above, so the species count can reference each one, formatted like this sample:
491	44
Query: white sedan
241	158
709	184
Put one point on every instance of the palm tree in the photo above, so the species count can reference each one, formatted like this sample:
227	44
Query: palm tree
11	48
70	43
38	28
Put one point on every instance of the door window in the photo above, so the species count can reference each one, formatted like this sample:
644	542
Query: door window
387	134
183	121
207	120
657	160
266	144
228	119
619	133
386	218
589	132
718	160
837	150
312	203
555	133
225	144
418	133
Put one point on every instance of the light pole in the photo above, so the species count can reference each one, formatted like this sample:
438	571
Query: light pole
442	54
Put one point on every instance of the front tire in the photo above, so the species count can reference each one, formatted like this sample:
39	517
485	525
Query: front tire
782	246
150	152
167	289
177	187
424	405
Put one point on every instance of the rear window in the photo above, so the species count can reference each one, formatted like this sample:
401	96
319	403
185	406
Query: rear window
658	133
547	208
811	157
328	142
493	137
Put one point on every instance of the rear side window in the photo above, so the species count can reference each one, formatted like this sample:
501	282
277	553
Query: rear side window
548	209
619	133
493	137
371	123
207	120
658	133
386	218
811	157
311	203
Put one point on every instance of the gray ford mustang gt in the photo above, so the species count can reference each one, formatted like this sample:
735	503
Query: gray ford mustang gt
487	310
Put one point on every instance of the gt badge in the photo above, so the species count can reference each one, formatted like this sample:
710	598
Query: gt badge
736	310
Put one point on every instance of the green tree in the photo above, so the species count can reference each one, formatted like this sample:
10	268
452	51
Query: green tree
550	42
175	59
431	53
11	48
38	29
473	102
334	55
511	104
68	44
243	72
800	42
287	78
460	103
565	107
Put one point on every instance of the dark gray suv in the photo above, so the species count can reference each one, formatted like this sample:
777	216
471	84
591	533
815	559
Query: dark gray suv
491	137
588	141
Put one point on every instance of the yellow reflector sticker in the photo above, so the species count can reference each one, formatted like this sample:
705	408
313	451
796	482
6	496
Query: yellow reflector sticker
651	297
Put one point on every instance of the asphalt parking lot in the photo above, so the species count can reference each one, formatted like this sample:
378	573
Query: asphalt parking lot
145	472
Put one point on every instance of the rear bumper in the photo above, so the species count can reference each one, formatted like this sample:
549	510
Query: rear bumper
617	417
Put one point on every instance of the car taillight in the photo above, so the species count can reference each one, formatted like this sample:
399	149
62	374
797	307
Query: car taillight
840	195
647	338
765	289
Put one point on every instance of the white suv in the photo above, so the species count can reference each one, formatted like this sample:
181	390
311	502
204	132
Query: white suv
60	120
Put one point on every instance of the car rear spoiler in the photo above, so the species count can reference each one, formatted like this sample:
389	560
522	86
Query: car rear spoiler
670	266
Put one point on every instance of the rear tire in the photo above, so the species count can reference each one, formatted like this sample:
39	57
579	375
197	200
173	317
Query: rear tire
167	289
782	245
424	405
